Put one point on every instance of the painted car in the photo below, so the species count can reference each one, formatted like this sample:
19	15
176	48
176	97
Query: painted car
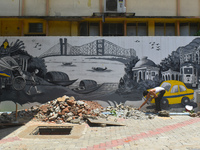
176	92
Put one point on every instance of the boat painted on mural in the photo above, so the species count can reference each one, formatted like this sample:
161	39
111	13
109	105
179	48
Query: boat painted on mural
67	63
59	78
87	86
99	68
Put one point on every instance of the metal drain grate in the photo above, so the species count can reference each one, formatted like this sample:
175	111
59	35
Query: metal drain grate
52	130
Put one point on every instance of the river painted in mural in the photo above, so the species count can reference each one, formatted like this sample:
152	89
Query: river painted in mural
83	67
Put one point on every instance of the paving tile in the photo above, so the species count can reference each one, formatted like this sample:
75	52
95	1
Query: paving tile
175	133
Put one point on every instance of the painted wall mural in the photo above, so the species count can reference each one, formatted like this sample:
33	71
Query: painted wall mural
110	70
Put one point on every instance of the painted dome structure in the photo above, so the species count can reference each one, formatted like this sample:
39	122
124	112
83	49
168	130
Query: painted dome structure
145	69
145	62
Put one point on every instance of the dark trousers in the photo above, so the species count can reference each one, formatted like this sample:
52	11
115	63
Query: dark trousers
158	99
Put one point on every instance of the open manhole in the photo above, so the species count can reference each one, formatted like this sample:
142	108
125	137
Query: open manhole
52	130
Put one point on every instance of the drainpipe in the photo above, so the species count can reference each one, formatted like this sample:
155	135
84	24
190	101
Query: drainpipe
47	8
19	8
125	4
125	22
178	8
199	8
100	6
101	28
178	14
23	5
47	14
178	28
47	27
125	28
22	28
100	22
21	13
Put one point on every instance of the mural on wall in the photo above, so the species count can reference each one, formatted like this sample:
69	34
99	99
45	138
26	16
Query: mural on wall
109	70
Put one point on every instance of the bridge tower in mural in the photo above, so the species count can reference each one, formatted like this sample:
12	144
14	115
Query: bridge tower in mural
63	46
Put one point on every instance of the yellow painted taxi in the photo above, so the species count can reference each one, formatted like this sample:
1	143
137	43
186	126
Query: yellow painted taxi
176	92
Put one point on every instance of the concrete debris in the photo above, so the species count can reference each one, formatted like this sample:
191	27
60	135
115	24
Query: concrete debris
10	117
163	113
67	109
194	115
60	110
126	112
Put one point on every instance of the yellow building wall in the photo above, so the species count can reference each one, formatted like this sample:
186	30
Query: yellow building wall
19	26
74	28
59	28
151	28
11	28
0	28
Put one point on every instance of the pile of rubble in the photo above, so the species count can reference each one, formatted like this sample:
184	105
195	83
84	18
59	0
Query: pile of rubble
195	114
126	112
67	109
62	109
10	117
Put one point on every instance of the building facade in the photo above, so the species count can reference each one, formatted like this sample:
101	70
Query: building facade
99	17
145	69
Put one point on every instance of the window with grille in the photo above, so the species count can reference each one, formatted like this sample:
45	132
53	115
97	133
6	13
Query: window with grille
194	28
189	29
159	29
164	29
113	29
35	28
184	29
94	29
137	29
89	29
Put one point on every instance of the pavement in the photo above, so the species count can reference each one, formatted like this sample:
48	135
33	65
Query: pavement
180	132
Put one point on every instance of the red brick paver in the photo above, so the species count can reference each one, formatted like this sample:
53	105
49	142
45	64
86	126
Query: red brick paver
114	143
11	139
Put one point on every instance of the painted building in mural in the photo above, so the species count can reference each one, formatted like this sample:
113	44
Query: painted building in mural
189	60
102	50
145	69
170	75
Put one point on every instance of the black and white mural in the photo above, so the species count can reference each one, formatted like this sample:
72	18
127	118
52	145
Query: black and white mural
110	70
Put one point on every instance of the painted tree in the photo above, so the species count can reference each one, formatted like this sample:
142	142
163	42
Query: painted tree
37	63
171	62
126	83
